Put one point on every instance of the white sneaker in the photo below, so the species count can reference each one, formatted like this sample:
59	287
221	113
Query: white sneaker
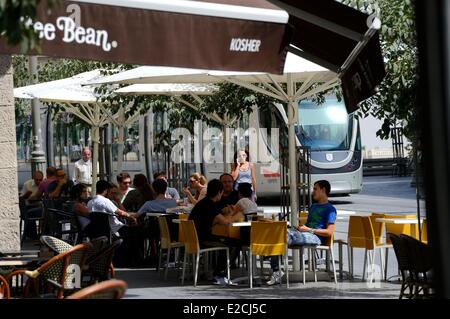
275	278
222	281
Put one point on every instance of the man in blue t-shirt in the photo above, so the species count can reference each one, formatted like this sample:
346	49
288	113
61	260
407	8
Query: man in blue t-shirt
319	225
321	219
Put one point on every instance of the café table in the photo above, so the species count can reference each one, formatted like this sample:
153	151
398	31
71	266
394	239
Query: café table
180	209
399	221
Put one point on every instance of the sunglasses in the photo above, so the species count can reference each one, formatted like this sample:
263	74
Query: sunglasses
126	183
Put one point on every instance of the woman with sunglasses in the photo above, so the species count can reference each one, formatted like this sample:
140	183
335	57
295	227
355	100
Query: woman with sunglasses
197	182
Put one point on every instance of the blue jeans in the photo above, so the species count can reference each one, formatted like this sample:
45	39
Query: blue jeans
295	237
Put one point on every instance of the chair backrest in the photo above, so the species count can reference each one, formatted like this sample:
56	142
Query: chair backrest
56	268
191	243
328	241
424	232
419	253
99	225
180	230
360	232
57	245
110	289
164	232
100	264
303	218
407	229
378	227
268	238
97	246
4	289
401	251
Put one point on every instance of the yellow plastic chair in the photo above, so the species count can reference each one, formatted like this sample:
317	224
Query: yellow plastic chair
398	229
180	230
166	244
424	232
226	231
378	230
268	239
361	235
328	247
303	217
192	248
378	227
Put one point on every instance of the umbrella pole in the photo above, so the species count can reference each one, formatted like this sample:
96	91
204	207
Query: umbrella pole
95	139
416	166
292	120
121	141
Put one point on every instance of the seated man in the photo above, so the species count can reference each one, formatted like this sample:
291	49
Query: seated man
230	195
245	203
61	186
99	203
319	225
206	214
30	187
43	186
161	202
171	192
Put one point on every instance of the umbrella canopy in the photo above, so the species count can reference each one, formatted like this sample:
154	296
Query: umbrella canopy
238	35
65	90
70	91
167	89
299	68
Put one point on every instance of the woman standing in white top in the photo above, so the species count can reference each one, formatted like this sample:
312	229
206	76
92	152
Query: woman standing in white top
243	171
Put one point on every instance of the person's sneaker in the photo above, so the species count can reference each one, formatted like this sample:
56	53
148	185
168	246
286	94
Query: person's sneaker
275	278
222	281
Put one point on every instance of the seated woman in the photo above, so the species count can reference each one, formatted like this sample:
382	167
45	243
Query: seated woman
197	182
141	193
79	195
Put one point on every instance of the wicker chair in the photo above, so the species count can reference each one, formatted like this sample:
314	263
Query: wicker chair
98	266
4	288
403	259
420	267
57	245
111	289
53	273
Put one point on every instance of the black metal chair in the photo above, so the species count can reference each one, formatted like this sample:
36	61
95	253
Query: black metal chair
99	226
401	251
420	267
23	208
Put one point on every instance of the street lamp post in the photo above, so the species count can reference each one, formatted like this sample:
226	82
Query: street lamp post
37	154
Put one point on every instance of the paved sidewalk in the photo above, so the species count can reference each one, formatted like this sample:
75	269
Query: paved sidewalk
148	284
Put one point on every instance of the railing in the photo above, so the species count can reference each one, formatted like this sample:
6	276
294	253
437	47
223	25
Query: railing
386	167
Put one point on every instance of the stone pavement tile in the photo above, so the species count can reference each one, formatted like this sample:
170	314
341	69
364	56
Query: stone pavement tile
148	284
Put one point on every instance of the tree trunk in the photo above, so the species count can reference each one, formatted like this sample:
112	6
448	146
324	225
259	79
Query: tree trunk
9	208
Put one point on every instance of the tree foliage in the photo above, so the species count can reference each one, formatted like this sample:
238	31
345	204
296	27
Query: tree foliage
15	26
396	100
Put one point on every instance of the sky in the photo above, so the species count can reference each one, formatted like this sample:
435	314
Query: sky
369	127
